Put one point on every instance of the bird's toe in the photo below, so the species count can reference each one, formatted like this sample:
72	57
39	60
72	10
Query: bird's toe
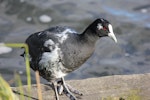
75	91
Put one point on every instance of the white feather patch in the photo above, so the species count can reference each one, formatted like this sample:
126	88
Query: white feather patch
59	74
49	42
99	26
49	58
63	36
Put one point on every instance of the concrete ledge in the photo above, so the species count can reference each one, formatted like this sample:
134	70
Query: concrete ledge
118	87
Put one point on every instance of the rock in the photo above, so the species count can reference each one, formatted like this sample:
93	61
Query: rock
117	87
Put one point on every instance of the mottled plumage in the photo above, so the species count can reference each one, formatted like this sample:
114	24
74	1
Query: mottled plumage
57	51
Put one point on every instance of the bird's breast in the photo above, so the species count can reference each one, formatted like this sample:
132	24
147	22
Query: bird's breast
74	57
50	65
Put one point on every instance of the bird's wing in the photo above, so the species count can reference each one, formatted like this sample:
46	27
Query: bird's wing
37	43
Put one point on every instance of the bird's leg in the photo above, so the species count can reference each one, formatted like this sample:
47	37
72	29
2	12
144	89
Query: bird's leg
60	88
67	91
54	83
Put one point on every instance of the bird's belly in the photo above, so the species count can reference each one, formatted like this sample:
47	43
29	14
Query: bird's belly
50	66
49	70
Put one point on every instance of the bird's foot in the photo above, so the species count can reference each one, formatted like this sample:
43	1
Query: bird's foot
68	90
61	90
74	90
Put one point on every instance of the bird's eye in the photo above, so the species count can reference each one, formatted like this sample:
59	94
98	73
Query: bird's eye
101	27
105	28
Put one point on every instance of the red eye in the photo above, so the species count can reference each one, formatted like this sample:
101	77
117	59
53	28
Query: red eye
104	28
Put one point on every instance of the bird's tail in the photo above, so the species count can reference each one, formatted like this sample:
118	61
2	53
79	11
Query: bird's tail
23	54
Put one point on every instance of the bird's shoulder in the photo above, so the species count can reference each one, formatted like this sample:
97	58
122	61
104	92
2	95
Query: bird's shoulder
61	30
57	32
60	33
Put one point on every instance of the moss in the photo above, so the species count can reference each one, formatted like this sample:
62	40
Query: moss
134	95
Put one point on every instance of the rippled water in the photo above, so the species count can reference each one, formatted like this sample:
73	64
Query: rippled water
130	19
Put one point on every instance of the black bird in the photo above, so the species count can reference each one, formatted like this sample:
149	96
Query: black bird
57	51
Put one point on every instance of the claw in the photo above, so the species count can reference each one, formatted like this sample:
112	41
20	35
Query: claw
74	90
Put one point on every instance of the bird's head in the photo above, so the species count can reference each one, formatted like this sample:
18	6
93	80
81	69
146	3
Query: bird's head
103	28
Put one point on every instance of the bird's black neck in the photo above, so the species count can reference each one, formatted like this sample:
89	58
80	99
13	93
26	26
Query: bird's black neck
89	34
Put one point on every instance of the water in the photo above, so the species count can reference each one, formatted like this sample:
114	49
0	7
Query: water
130	19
